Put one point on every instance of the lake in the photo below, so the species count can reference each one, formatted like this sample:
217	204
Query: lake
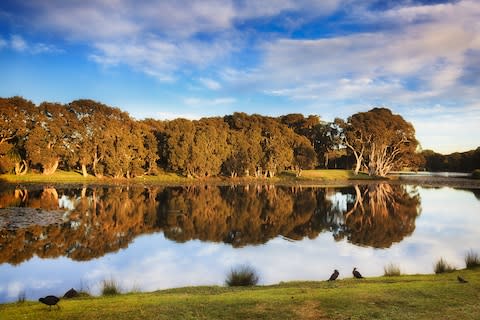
148	238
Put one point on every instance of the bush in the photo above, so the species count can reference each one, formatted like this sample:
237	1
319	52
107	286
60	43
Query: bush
242	276
391	270
442	266
472	259
110	287
476	174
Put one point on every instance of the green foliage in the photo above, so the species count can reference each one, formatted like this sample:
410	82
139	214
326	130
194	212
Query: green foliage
472	260
442	267
455	162
391	270
243	275
110	287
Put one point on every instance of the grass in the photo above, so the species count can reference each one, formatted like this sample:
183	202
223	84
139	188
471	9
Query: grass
243	275
328	175
405	297
76	177
110	287
391	270
442	267
472	260
172	178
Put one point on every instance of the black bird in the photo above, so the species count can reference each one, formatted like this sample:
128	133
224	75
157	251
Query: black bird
50	301
461	280
356	274
334	275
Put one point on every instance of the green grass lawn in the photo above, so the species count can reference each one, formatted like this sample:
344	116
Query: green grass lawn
172	178
328	175
404	297
75	177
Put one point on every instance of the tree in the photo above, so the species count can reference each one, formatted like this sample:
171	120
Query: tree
16	119
380	140
49	142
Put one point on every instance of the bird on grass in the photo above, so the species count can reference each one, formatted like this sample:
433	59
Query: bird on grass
356	274
461	280
334	275
50	301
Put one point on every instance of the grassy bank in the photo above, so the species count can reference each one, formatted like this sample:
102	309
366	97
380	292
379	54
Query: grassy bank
172	178
404	297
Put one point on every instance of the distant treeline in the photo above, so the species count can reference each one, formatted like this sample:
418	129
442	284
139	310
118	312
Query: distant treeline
454	162
97	139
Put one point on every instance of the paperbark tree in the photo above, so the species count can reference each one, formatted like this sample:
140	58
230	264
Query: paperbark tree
379	140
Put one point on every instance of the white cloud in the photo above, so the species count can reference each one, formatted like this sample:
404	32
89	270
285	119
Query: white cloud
198	102
17	43
210	83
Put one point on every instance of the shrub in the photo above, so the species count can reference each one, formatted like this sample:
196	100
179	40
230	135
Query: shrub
442	266
243	275
110	287
391	270
476	174
472	259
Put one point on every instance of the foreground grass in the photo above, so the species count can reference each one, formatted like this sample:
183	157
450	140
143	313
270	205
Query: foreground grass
404	297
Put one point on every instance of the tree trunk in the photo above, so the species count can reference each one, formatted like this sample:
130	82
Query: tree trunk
48	170
21	168
84	170
358	165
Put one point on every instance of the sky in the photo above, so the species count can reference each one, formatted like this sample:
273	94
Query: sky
191	59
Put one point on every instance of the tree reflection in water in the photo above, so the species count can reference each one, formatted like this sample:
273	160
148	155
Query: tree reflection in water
99	220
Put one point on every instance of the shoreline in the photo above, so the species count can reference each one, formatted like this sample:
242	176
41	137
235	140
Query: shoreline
422	181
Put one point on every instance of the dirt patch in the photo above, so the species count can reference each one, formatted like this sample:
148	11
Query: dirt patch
309	310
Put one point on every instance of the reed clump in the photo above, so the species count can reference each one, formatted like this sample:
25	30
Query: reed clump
443	266
472	260
391	270
243	275
110	287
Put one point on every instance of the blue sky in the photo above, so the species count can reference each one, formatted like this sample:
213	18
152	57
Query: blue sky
332	58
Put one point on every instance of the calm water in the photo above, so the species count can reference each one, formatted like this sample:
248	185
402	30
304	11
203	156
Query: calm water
163	237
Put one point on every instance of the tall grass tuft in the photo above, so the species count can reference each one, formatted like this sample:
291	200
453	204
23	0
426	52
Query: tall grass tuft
442	267
391	270
472	259
110	287
22	297
243	275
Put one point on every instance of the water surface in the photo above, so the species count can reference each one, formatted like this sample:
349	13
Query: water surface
149	238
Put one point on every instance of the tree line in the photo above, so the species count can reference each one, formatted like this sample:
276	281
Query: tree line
455	162
97	139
